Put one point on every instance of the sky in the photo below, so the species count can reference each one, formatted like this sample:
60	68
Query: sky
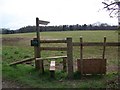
15	14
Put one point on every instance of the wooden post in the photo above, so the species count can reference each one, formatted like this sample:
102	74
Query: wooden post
37	29
64	64
104	45
81	55
103	56
36	55
70	57
38	64
52	74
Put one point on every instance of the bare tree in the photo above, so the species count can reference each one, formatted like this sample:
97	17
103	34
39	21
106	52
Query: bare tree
114	7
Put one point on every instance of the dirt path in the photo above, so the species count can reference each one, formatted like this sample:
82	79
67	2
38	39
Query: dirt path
11	84
112	68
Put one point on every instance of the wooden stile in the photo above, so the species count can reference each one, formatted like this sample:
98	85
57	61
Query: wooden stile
56	57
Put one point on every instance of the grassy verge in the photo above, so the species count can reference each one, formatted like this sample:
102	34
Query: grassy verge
27	76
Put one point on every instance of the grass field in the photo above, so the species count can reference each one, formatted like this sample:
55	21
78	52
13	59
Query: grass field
17	47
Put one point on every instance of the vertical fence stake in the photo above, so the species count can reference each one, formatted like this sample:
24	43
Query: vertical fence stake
70	57
81	54
104	45
103	56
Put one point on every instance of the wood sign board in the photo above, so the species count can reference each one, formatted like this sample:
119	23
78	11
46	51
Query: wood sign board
43	22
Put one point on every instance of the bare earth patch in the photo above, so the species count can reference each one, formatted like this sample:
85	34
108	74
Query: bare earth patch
15	41
112	68
10	84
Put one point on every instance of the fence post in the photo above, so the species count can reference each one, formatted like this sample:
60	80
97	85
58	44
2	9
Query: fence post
103	56
104	45
38	63
36	55
70	57
81	54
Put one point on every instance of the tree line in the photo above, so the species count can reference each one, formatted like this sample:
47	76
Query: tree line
96	26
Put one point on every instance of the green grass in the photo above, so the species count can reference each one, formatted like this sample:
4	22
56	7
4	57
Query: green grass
112	36
33	79
18	48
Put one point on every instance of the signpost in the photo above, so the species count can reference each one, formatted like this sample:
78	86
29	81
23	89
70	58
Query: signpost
36	44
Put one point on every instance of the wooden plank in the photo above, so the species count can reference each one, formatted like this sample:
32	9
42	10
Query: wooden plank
42	22
93	66
52	65
53	41
22	61
70	57
97	44
56	57
54	48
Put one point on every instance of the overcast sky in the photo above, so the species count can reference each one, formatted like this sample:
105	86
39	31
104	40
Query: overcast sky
15	14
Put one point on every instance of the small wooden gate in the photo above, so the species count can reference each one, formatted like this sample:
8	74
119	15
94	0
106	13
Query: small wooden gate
92	65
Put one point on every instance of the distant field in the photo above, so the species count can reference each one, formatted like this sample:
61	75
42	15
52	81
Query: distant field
112	36
17	46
